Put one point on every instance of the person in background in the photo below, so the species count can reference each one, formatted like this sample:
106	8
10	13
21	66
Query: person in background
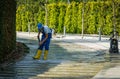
44	42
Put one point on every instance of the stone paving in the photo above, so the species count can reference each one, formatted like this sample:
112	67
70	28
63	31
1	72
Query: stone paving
69	57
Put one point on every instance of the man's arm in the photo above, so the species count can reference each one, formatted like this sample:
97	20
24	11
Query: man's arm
38	36
46	36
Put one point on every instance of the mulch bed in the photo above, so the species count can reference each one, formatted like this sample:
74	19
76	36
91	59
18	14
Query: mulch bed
20	51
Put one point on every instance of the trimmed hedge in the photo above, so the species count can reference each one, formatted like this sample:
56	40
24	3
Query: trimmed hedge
96	15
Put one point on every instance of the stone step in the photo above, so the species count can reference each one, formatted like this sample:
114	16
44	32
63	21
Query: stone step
69	73
7	77
79	77
65	75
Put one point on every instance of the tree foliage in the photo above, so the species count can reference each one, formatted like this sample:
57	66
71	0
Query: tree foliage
97	14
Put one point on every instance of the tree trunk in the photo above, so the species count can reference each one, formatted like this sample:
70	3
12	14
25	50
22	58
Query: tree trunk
7	27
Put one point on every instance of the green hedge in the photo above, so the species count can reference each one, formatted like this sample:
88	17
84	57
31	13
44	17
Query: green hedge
96	15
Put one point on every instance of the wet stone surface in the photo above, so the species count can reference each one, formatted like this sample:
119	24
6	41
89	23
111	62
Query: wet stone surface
66	60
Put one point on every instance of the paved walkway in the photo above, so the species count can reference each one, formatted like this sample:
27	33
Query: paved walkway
70	57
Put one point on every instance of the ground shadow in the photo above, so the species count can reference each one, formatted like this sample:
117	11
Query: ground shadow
60	51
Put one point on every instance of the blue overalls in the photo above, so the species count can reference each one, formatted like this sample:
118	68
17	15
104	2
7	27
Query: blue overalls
47	42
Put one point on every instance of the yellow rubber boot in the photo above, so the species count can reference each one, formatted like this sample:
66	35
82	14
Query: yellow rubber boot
38	55
45	54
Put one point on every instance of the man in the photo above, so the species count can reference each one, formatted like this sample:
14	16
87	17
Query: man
44	42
